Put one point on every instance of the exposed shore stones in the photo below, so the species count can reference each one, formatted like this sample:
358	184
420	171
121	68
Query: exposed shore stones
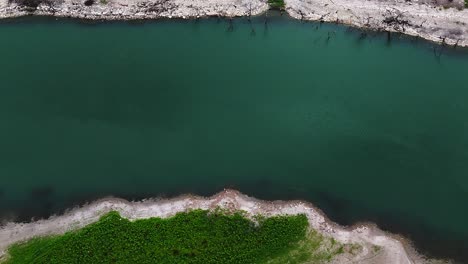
442	21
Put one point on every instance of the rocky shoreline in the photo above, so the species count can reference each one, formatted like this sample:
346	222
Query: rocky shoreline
441	21
391	248
437	21
132	9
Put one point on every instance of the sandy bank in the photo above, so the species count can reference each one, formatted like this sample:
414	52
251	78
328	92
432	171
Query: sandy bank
442	21
391	249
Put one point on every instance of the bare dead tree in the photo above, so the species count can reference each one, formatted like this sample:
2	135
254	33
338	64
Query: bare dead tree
395	19
302	15
389	37
252	29
330	34
231	25
443	40
437	52
367	24
321	19
362	35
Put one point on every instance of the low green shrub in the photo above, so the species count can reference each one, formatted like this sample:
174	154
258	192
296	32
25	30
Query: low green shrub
195	237
278	4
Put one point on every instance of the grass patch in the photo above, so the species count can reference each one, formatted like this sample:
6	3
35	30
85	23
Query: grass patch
194	237
315	248
279	4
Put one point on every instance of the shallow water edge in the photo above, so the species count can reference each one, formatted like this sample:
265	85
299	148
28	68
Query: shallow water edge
31	114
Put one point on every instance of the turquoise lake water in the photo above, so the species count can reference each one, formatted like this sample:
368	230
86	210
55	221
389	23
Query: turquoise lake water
365	128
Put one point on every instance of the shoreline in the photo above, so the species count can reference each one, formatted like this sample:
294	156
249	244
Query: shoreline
432	22
443	23
392	248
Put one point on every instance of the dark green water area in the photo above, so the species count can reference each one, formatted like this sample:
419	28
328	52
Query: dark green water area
365	127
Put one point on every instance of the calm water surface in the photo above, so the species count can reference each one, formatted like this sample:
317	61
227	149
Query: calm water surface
368	130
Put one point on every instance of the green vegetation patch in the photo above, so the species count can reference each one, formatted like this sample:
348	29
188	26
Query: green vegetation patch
195	237
466	3
279	4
